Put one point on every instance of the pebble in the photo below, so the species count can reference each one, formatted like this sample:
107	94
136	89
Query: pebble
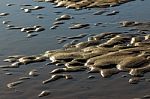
6	22
64	17
56	77
10	60
146	97
8	73
99	12
134	80
40	17
44	93
10	4
39	29
33	72
112	13
31	35
78	26
24	78
37	7
13	84
10	26
91	77
4	14
15	64
27	10
54	27
58	22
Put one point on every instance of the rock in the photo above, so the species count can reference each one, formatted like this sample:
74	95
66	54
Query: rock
8	73
27	10
31	35
4	14
24	78
99	12
44	93
64	17
6	22
134	80
78	26
33	72
56	77
54	27
13	84
112	13
91	77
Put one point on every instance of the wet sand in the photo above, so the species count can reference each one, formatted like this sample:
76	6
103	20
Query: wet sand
80	87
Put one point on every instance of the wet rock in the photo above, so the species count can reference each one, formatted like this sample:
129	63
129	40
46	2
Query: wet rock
8	73
79	26
134	80
6	22
33	72
4	14
64	17
10	4
37	7
44	93
31	35
79	4
99	12
10	60
58	23
146	97
40	17
27	10
24	78
108	72
56	77
54	27
91	77
39	29
112	13
129	23
13	84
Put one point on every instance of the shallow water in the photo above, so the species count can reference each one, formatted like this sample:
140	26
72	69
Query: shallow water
14	42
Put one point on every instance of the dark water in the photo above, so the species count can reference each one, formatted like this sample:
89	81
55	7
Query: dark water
14	42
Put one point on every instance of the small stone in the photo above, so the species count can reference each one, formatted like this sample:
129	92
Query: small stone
4	14
54	27
39	29
58	22
64	17
37	7
5	22
146	97
134	80
112	13
91	77
13	84
33	72
8	73
27	10
24	78
44	93
78	26
99	12
10	4
31	35
40	17
123	76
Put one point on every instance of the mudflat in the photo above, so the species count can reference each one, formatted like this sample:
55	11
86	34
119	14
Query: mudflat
80	49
